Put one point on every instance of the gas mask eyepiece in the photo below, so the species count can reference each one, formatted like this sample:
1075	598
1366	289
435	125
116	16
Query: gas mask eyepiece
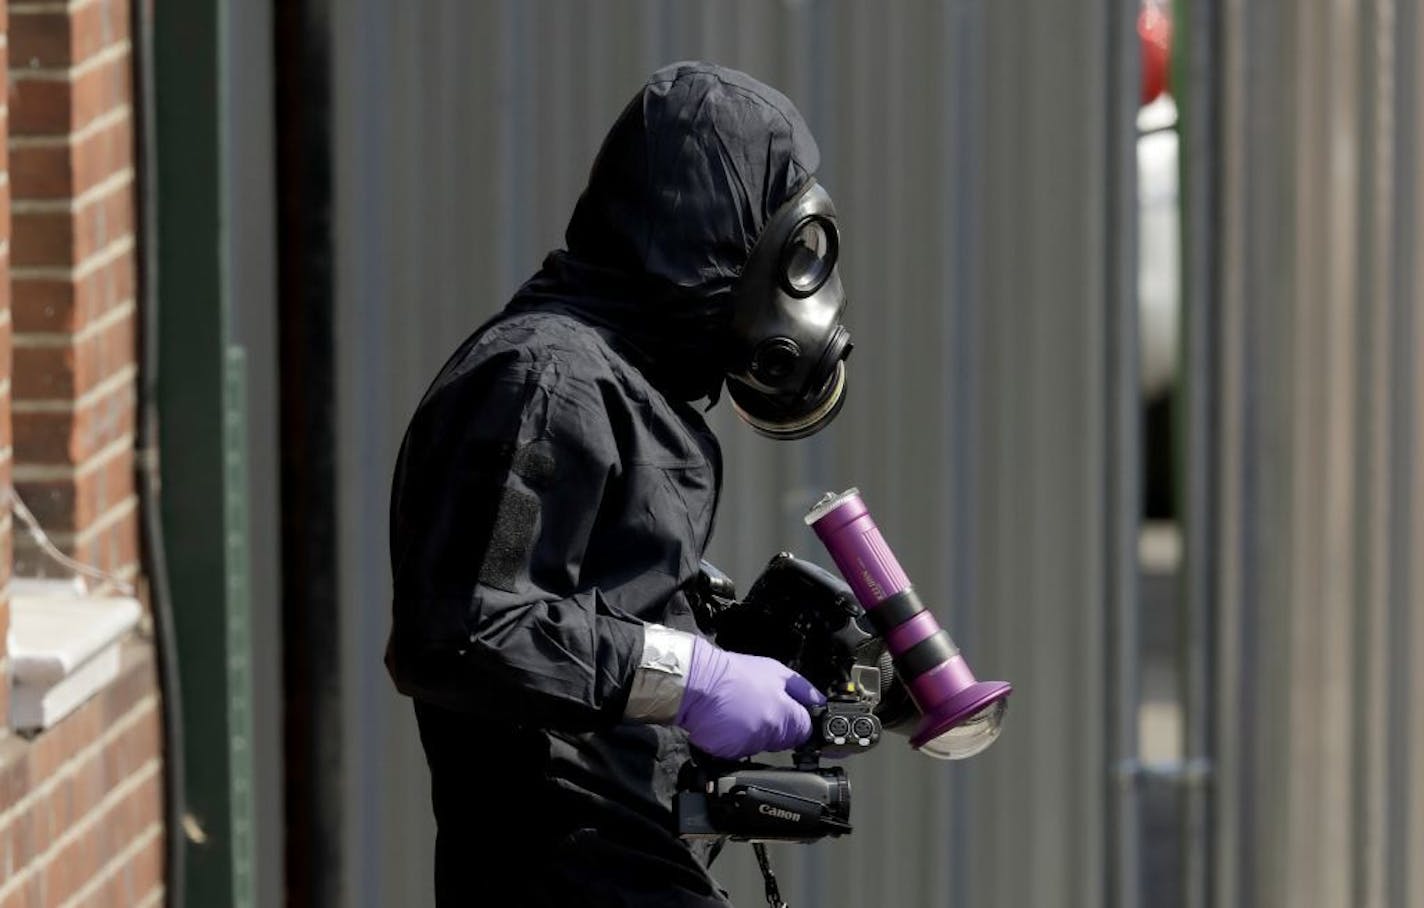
788	377
809	256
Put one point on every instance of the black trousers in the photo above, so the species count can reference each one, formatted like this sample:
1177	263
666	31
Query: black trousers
584	869
514	831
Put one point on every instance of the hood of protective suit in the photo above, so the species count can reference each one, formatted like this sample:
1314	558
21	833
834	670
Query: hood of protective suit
684	184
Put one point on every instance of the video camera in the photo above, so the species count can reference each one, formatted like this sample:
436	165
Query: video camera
870	645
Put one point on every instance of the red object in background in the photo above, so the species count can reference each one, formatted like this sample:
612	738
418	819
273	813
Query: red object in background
1154	29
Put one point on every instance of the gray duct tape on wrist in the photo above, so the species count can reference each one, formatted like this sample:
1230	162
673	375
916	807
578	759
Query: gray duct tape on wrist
661	676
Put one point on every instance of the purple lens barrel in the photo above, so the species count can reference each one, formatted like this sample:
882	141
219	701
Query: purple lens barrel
926	659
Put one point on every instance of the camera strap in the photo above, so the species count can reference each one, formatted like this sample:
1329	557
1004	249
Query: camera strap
773	892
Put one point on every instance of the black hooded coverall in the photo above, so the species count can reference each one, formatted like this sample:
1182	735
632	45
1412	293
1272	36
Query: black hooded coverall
556	489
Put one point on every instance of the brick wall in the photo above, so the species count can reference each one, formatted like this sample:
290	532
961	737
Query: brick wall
71	151
81	803
6	448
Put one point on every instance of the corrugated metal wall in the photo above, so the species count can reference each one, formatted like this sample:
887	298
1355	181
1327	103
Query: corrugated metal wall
1306	504
969	147
970	150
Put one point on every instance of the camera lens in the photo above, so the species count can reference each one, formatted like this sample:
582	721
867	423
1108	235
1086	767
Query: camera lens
837	727
863	727
970	736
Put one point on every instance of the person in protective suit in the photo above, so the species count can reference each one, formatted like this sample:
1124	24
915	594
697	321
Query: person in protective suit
556	490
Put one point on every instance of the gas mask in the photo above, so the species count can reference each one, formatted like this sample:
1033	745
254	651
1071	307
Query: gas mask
787	375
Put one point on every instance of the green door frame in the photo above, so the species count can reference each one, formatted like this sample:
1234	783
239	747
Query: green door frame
202	416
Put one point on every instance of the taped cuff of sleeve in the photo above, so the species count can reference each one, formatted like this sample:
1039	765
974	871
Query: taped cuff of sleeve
661	676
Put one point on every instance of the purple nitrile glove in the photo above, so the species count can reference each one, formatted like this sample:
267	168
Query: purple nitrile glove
736	705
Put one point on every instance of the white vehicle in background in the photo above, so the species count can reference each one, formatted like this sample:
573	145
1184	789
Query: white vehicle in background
1159	272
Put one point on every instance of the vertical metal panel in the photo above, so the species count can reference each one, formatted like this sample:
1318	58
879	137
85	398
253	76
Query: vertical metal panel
1317	506
1198	74
966	146
1122	458
253	288
1407	518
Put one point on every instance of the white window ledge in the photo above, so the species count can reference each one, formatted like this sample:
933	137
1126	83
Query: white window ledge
63	648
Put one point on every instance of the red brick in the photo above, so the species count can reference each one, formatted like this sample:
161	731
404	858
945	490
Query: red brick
7	438
61	805
4	129
74	503
57	39
69	370
148	869
64	238
52	304
44	303
56	107
14	775
40	39
43	238
74	865
104	152
136	681
115	892
67	738
8	853
5	280
48	373
115	346
44	171
118	215
115	548
43	824
29	895
100	89
39	107
91	784
23	839
137	812
101	841
103	220
5	345
74	436
7	545
52	503
138	744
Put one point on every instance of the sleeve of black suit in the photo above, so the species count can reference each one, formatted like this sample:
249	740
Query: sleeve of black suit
499	486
